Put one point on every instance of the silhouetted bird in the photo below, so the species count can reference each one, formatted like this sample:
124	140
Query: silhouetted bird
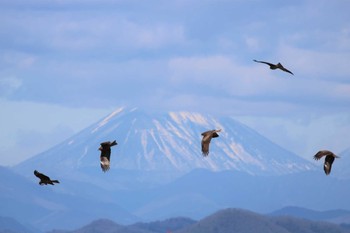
105	149
273	66
328	161
44	180
207	136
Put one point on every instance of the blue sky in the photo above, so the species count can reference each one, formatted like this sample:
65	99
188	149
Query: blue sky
65	64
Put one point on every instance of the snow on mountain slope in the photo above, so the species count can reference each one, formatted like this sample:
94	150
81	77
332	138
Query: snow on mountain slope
167	142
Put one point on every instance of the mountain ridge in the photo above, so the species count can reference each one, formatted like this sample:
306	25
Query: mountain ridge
224	221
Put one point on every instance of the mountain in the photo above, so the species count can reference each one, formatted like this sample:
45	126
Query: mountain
235	220
44	208
168	225
107	226
336	216
242	221
161	147
8	224
224	221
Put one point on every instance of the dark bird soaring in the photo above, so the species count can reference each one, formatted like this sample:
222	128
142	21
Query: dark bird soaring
207	136
105	156
273	66
328	161
44	180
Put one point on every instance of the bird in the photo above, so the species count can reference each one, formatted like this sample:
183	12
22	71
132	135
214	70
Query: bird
44	180
105	156
273	66
207	136
330	156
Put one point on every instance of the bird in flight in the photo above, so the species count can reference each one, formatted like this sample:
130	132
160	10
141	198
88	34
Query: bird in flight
273	66
207	136
44	180
328	161
105	156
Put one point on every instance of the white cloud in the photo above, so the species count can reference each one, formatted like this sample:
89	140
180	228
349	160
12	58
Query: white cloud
313	64
111	32
218	72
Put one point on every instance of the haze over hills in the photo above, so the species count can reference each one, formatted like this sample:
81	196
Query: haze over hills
44	208
334	216
8	225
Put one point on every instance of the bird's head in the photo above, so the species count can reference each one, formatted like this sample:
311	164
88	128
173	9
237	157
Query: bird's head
100	148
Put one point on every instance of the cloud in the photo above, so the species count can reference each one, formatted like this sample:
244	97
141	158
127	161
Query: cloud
317	65
225	77
68	31
114	32
9	85
169	55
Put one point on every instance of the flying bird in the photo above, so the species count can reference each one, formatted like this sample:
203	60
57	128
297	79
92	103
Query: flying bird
328	161
207	136
273	66
44	180
105	156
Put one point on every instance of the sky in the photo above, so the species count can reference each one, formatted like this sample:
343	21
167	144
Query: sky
65	64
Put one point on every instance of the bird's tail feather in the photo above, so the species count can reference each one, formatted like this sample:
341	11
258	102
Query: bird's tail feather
114	143
55	181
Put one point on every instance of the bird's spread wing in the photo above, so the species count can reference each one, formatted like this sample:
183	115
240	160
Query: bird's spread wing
205	147
207	136
322	153
206	141
215	133
108	143
105	144
284	69
105	163
41	176
264	62
328	164
206	133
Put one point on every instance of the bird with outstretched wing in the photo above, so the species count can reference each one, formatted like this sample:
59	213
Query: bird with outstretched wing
44	180
273	66
105	156
207	136
328	161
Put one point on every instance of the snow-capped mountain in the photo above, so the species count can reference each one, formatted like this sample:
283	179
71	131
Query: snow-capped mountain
169	142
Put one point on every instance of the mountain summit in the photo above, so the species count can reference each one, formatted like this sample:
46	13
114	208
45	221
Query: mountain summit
169	142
